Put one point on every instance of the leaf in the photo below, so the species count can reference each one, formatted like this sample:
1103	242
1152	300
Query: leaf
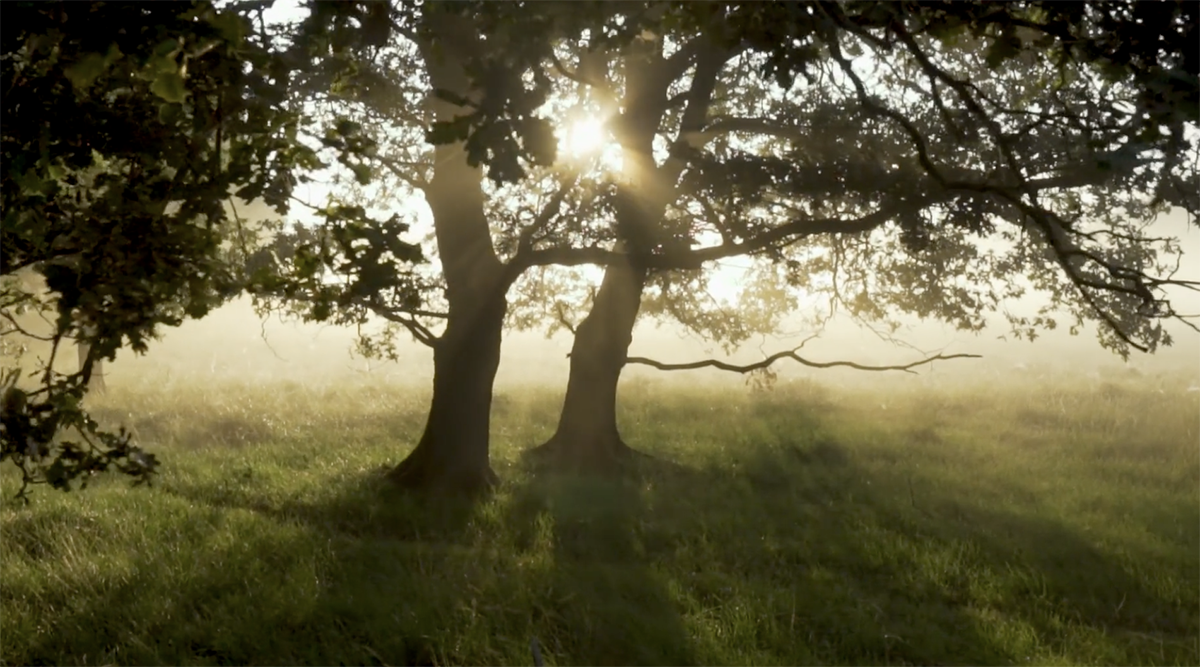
169	113
1004	47
170	87
347	127
538	140
89	68
158	64
229	25
31	183
448	132
165	48
362	173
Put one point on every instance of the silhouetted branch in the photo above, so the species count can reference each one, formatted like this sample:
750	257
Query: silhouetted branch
398	169
1054	230
791	354
547	214
694	259
407	319
730	124
560	313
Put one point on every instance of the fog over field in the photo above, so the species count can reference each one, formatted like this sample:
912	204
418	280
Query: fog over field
233	343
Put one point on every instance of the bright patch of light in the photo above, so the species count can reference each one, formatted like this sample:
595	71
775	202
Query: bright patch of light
586	140
584	137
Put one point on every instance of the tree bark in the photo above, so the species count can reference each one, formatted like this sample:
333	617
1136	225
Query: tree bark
95	382
587	437
453	452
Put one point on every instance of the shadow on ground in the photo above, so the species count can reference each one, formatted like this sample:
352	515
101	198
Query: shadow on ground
877	573
609	607
787	552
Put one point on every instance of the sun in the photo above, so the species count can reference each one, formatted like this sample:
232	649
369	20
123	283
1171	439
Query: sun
584	137
587	138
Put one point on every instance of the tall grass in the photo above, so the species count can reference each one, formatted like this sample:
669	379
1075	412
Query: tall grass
1049	524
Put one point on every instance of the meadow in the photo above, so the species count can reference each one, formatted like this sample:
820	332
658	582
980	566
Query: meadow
888	523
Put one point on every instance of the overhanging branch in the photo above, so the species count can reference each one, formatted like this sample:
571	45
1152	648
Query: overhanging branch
763	126
1019	194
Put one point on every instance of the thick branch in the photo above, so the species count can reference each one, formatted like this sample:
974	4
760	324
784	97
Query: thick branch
600	86
397	168
1052	228
694	259
764	126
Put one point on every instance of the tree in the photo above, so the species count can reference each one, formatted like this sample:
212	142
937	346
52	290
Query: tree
1053	132
120	148
486	100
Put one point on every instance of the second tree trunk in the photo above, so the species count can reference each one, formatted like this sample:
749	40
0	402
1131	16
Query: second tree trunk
587	437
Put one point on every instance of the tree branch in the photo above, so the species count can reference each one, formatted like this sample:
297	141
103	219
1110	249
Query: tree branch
560	312
393	165
694	259
1051	226
730	124
547	214
420	332
791	354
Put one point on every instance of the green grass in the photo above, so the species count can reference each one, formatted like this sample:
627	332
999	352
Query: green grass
966	525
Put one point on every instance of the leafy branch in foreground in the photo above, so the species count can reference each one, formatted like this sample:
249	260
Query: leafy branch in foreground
119	151
30	434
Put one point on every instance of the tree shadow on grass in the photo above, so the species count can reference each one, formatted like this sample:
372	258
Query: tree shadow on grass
841	567
791	552
364	506
605	604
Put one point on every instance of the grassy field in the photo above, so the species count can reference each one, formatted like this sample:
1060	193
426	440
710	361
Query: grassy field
1051	524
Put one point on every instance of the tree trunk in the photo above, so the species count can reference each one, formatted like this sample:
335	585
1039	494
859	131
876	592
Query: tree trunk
452	454
95	383
587	437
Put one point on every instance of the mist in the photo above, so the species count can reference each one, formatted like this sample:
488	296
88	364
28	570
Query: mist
234	344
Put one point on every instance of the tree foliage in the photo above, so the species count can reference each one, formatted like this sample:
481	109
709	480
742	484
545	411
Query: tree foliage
121	148
985	150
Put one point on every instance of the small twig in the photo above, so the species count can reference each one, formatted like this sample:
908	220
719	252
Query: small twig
548	213
560	311
262	333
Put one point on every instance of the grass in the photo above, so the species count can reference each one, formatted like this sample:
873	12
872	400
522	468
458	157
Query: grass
1057	524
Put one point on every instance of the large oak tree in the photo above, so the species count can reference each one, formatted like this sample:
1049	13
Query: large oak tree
929	159
869	144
